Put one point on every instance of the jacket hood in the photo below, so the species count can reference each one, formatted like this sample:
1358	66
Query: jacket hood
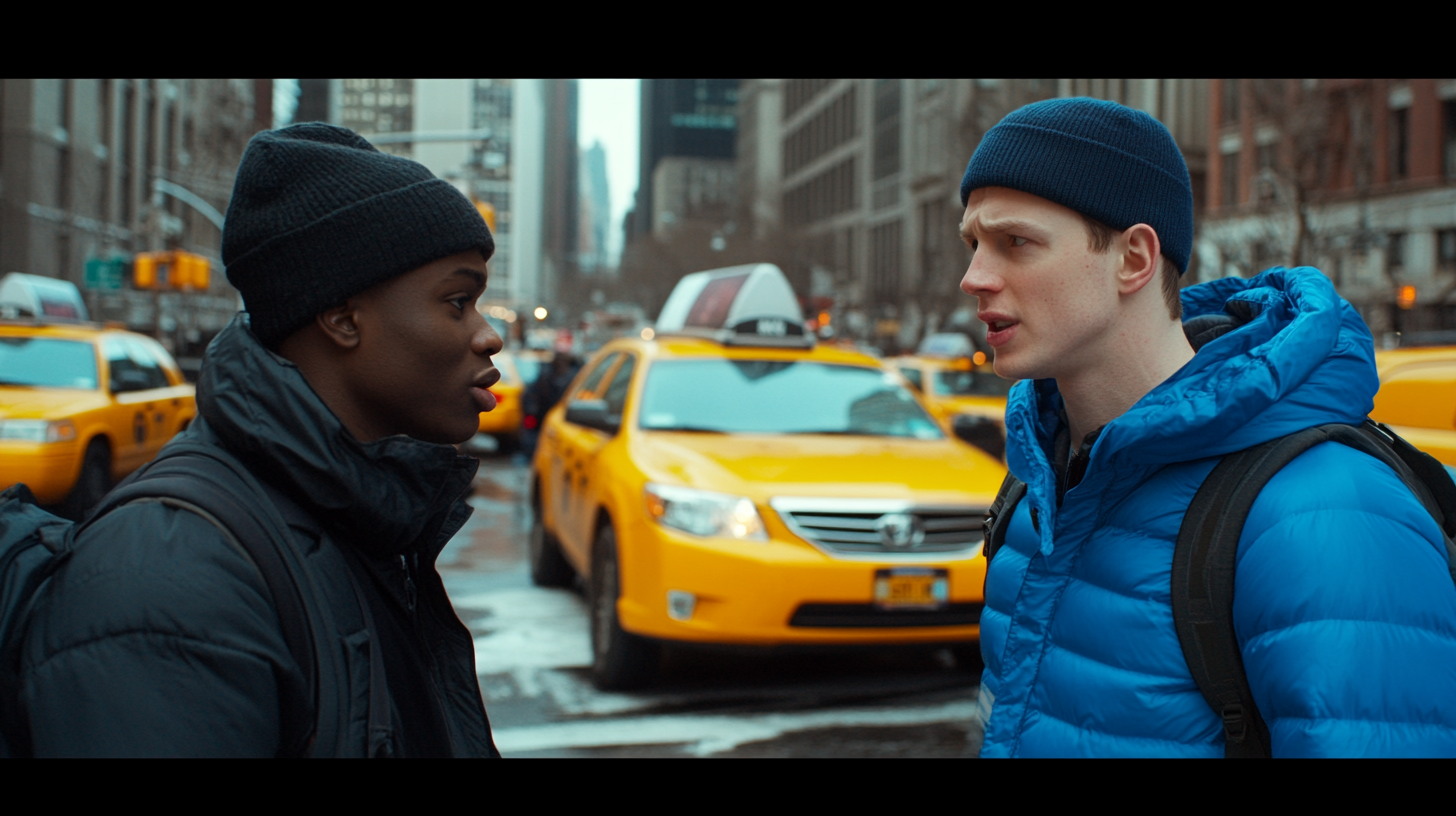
385	496
1306	358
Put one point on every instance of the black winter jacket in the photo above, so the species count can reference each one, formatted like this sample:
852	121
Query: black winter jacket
159	637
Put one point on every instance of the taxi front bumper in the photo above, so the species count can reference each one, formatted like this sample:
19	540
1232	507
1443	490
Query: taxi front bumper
49	469
779	592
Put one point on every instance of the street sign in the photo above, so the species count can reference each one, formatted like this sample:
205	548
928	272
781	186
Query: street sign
104	273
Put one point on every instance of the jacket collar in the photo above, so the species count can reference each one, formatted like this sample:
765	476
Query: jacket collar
1305	358
386	496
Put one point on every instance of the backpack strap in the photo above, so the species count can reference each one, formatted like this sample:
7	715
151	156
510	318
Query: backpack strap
205	481
1208	542
998	519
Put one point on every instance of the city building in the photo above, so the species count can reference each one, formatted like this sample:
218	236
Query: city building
695	122
853	186
509	144
595	218
1354	176
94	171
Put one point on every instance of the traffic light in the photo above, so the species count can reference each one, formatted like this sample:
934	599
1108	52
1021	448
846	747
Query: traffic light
487	211
177	269
1406	297
144	271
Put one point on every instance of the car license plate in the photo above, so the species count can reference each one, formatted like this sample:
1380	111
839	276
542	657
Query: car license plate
912	588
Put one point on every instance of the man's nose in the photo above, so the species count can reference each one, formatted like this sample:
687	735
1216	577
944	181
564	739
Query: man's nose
979	278
485	341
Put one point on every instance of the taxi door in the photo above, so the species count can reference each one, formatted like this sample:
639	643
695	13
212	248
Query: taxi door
141	391
565	443
592	475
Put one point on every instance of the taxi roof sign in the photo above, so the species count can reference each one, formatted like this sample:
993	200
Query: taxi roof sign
752	304
37	296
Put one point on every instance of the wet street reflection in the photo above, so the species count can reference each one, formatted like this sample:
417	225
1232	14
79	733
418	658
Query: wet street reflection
533	653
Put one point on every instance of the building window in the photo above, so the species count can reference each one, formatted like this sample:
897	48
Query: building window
1395	251
1446	250
1448	152
828	129
885	262
799	92
1399	143
1230	193
887	128
1230	101
828	193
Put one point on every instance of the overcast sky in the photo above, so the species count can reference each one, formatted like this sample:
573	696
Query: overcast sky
607	113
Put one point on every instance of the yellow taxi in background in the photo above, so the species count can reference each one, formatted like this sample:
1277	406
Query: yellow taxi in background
504	421
729	481
82	406
963	393
1417	398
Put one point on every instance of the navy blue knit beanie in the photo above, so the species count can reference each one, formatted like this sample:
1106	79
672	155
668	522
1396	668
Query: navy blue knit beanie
318	215
1104	160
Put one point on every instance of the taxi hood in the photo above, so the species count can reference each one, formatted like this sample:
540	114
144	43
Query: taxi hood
47	403
765	465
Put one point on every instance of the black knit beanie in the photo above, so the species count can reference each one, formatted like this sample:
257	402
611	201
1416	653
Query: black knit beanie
318	215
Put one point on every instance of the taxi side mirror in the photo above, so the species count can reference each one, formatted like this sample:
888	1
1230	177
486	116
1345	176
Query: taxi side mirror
982	432
592	413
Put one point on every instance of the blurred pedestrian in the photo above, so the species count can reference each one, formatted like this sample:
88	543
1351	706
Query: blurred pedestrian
360	362
1079	213
548	389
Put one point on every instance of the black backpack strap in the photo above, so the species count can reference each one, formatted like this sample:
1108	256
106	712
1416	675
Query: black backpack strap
998	519
1203	584
204	481
1208	541
1427	478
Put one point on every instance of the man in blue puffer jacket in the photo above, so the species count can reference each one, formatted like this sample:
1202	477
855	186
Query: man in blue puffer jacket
1080	216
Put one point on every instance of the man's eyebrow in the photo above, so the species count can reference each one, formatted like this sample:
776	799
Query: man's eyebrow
474	274
1002	225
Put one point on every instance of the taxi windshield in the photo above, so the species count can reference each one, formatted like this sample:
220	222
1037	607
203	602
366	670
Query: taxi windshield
771	396
969	384
45	362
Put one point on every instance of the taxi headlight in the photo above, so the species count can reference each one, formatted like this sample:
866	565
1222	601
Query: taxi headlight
37	430
703	513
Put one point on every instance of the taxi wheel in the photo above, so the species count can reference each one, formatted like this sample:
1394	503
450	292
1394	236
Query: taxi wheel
93	484
620	659
548	566
507	444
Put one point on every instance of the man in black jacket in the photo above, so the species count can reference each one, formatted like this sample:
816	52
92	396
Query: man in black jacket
361	361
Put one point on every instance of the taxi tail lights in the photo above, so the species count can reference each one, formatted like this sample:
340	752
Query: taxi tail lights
702	513
37	430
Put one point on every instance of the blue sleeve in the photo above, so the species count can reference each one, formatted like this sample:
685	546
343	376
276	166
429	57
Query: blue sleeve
1346	612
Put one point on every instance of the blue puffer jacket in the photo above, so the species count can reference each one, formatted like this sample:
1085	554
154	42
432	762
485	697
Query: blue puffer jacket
1344	607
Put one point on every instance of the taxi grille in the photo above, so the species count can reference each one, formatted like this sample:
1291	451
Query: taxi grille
868	528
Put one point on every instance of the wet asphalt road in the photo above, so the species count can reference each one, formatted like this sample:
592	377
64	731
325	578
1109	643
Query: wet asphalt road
532	650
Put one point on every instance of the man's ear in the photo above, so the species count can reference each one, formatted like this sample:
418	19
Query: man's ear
1140	250
339	324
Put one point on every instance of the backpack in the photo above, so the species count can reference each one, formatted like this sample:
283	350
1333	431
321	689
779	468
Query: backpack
1208	542
207	481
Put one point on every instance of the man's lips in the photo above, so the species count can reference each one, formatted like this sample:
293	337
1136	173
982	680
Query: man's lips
999	328
481	389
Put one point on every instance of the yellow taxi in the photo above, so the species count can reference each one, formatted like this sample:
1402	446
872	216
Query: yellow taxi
1417	398
82	406
728	481
504	421
963	393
